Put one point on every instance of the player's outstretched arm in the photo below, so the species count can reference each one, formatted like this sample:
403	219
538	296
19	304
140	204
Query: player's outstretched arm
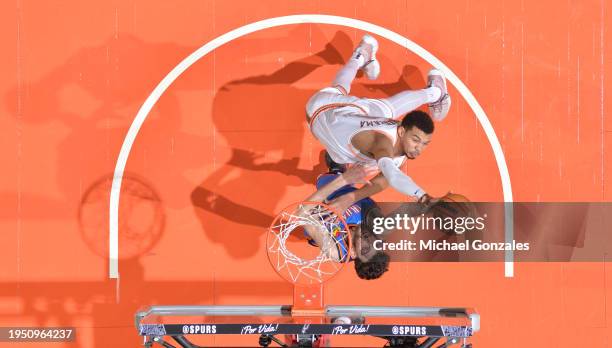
354	175
398	180
382	150
374	186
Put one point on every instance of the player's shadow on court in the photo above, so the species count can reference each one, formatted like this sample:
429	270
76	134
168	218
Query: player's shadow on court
262	120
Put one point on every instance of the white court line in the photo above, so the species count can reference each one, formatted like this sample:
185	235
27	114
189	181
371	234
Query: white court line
300	19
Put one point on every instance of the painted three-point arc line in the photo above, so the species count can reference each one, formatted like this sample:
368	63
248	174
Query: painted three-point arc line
302	19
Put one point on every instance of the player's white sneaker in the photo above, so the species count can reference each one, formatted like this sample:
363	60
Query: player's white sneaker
438	109
367	48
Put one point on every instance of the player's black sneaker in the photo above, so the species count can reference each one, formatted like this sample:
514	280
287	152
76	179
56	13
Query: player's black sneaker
332	166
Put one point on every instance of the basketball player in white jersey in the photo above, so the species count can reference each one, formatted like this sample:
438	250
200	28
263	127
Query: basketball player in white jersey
369	131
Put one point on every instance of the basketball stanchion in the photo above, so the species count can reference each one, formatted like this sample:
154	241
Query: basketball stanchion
308	243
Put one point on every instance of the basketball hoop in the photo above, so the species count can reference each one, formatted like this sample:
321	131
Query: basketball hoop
298	262
308	322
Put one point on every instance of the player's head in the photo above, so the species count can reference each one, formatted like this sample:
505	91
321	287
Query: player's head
415	133
374	267
369	262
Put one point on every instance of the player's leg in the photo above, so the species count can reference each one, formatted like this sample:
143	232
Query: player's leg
364	57
435	95
406	101
399	104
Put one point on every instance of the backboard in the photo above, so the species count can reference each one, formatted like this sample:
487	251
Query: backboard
307	322
396	326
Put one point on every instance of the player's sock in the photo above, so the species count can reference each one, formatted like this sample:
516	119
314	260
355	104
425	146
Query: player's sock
407	101
346	75
433	93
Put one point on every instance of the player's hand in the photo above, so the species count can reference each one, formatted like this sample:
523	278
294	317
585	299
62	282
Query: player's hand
428	200
357	174
343	202
451	206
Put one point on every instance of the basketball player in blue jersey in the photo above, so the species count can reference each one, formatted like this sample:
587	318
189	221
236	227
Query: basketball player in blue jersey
369	263
369	131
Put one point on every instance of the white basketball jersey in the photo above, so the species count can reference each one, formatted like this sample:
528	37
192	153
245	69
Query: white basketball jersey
335	126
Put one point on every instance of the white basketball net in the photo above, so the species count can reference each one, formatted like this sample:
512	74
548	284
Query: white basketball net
314	218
